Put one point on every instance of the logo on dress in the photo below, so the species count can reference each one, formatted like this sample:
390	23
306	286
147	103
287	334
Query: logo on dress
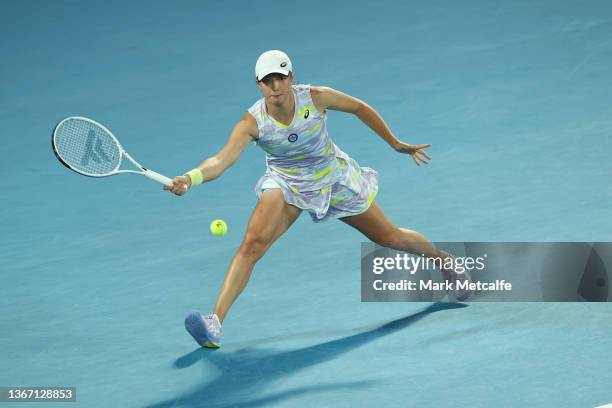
306	114
292	137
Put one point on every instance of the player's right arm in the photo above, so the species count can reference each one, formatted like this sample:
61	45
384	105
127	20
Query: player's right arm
244	131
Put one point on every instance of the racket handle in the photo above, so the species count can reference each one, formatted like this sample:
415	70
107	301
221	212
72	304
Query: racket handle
157	177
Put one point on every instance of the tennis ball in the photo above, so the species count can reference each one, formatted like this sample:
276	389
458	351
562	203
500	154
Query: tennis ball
218	228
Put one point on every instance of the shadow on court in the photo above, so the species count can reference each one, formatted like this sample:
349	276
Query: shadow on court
245	375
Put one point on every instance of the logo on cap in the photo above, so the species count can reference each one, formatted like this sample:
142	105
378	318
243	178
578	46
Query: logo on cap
292	137
283	64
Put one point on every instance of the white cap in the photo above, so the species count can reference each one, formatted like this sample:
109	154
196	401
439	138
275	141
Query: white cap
272	61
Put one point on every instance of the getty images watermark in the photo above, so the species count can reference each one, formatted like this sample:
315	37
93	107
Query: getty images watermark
500	271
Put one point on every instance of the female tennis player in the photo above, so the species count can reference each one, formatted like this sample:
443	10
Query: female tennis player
305	171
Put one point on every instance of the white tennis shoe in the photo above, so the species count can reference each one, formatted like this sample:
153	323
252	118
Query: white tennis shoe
205	330
453	277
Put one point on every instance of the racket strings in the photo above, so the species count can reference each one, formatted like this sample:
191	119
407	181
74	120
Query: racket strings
86	147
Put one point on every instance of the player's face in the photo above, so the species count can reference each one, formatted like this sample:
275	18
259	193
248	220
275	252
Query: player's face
276	88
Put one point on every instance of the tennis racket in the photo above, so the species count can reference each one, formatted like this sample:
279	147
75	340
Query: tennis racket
85	146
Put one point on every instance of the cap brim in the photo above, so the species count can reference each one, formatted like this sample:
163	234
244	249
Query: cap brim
272	71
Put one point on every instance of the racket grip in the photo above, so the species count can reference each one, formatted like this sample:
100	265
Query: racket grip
157	177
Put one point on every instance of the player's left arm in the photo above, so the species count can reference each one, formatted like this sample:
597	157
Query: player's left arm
328	98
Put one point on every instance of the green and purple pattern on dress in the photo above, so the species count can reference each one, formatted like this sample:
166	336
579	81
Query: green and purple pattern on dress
313	173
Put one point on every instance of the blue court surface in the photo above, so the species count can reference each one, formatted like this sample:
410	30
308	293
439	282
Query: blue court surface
98	274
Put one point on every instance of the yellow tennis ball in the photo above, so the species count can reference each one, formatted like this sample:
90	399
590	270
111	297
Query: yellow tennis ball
218	228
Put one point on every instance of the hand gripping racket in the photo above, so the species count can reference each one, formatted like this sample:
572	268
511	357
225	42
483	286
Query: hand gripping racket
85	146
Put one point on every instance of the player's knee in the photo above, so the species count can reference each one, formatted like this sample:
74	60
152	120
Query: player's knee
254	245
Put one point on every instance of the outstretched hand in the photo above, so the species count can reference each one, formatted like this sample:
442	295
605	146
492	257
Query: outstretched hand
180	185
416	151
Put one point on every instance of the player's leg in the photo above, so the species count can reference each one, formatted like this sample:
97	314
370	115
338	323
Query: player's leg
270	219
375	225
